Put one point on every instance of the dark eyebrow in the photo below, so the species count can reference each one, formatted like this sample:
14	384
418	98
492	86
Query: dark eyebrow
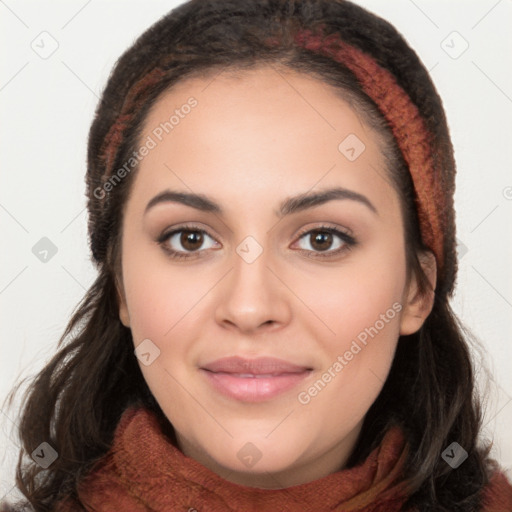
287	207
309	200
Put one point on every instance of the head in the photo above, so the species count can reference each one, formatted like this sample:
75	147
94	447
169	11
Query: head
213	158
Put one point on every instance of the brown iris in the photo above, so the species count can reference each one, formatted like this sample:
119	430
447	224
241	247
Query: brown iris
191	240
322	240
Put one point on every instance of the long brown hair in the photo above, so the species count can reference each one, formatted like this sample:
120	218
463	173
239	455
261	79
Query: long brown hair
76	401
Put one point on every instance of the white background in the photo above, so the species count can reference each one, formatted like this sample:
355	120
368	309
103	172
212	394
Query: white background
47	107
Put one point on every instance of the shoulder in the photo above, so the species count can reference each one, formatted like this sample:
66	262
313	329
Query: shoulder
497	494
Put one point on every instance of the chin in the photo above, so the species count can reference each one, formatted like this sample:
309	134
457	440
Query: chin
255	457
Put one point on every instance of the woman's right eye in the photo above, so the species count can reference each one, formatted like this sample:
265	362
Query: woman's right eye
189	238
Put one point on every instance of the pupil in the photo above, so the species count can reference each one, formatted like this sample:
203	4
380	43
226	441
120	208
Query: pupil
320	237
191	239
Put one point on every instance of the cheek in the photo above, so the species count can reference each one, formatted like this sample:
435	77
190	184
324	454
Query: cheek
160	297
164	307
357	360
347	301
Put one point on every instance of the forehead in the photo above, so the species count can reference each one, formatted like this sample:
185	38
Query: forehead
263	91
262	131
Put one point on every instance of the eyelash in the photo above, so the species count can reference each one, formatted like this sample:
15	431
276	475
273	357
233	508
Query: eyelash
348	240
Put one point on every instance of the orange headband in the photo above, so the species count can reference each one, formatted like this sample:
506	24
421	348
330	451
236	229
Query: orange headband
114	136
407	125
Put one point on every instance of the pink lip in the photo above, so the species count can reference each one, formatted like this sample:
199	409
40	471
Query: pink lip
253	380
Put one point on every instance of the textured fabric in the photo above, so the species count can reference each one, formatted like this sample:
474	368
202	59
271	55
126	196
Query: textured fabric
144	471
497	496
409	129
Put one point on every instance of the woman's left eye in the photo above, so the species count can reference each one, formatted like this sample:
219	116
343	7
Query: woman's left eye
320	239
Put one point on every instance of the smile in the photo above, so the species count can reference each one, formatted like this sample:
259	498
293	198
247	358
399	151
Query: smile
253	380
247	387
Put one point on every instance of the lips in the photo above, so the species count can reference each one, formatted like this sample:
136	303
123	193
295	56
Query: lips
253	380
259	366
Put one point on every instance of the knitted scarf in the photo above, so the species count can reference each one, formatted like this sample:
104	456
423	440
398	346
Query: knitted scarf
144	471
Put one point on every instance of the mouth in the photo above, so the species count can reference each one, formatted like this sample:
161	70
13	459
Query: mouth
253	380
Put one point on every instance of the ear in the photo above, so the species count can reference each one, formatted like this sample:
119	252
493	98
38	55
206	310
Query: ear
123	308
419	305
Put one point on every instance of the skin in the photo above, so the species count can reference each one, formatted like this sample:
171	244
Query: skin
252	141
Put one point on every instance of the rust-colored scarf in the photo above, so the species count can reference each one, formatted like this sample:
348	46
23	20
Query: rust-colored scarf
144	472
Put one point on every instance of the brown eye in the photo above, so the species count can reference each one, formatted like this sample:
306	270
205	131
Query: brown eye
321	240
185	241
191	240
325	242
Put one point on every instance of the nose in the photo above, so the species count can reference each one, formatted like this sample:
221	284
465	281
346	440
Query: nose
252	296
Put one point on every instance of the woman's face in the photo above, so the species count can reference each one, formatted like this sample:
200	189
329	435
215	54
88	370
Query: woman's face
263	273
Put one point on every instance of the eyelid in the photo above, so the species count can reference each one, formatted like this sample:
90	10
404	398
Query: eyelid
325	225
192	227
167	233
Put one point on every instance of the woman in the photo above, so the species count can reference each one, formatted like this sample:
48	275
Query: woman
270	191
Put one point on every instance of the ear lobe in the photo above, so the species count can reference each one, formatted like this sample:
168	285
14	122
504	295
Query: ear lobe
123	308
123	314
418	305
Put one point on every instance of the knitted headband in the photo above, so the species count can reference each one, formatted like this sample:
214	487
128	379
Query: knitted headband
407	125
433	193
